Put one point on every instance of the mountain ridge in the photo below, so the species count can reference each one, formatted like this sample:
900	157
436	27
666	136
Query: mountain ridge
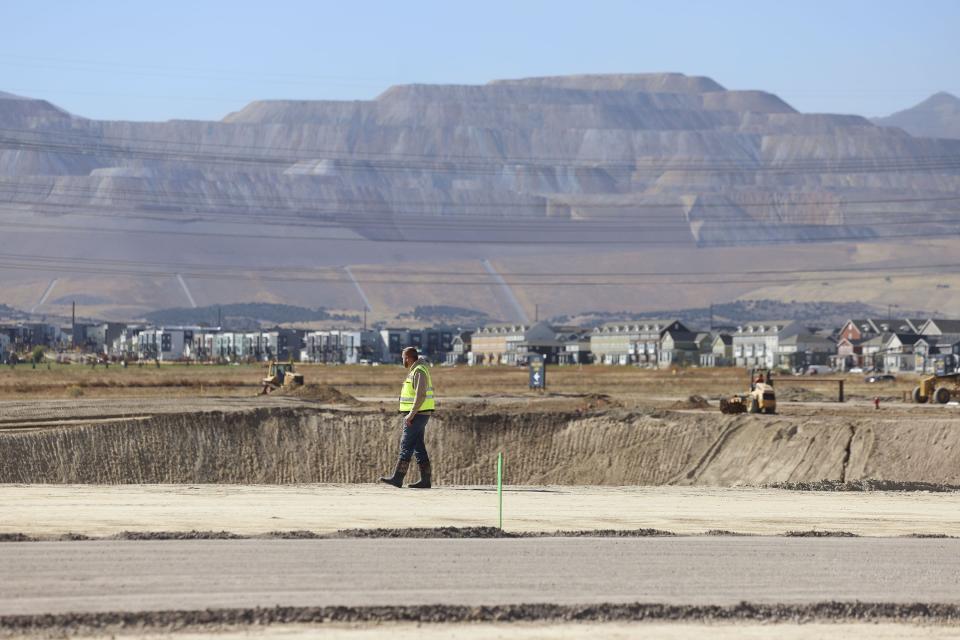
546	169
936	117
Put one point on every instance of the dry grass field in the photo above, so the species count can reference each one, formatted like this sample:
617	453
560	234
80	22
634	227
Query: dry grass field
625	384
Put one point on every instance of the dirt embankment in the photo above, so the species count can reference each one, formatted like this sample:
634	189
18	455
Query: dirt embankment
303	445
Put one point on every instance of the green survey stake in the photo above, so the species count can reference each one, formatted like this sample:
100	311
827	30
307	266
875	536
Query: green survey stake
500	485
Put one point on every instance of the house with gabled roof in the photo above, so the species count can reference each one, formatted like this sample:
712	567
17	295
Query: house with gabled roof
939	326
721	352
898	352
800	347
631	342
857	331
756	344
678	347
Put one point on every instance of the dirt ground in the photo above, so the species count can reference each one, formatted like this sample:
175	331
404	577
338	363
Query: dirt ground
568	631
100	511
627	384
97	452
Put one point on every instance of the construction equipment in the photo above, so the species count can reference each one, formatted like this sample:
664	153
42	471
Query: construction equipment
761	398
281	375
943	384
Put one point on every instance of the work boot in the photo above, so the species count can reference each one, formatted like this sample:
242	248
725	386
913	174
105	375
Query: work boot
424	482
397	478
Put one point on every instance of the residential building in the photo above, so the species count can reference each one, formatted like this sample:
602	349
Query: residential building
857	331
163	343
757	344
279	344
939	327
459	348
100	337
636	342
496	344
25	335
898	352
342	346
682	348
928	347
576	349
544	340
721	352
781	344
872	350
433	342
228	346
800	349
125	345
202	347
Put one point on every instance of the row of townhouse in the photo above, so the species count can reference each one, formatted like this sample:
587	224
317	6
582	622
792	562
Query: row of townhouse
171	343
895	345
20	337
665	343
331	346
23	336
513	344
654	344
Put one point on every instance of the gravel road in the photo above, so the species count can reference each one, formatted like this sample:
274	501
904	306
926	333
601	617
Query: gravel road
92	576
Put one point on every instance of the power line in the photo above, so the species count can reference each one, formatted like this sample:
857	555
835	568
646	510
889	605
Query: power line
367	218
420	272
494	166
360	156
190	198
358	221
89	269
618	240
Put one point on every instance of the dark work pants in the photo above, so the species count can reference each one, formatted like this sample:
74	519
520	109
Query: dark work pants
411	443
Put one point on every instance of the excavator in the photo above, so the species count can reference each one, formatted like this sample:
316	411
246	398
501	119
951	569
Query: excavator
761	398
281	374
943	384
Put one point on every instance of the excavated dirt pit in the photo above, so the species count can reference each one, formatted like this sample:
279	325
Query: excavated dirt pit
303	444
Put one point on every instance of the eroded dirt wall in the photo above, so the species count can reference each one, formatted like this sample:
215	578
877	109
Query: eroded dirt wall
612	448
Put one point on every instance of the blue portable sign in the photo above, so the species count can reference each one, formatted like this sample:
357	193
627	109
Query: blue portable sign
538	372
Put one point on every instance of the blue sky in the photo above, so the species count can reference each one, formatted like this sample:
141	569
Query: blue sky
202	59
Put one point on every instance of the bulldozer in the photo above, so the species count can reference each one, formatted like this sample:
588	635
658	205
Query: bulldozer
761	398
281	374
943	384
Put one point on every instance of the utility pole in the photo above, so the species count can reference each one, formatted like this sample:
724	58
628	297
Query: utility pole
536	313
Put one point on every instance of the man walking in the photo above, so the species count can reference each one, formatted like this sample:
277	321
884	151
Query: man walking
416	405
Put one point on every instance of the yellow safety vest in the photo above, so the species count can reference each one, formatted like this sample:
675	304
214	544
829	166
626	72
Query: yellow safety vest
408	393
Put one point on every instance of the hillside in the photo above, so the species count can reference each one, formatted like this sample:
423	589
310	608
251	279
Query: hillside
936	117
427	194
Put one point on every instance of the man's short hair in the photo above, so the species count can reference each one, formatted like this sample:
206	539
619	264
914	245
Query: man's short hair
412	352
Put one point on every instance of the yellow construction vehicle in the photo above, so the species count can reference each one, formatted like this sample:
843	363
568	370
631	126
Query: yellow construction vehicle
943	384
761	398
281	375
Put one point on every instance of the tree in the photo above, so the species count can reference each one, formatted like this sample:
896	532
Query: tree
36	355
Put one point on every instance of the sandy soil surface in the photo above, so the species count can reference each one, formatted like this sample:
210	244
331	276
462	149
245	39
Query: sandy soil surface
569	631
197	575
104	510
